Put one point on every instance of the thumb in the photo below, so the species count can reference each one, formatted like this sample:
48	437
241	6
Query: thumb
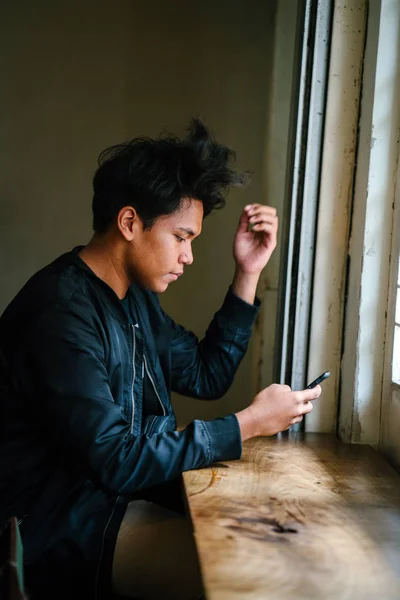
310	394
243	222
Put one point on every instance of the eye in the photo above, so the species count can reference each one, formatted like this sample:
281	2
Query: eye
179	238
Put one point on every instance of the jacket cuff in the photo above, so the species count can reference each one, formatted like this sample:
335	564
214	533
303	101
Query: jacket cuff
241	313
225	439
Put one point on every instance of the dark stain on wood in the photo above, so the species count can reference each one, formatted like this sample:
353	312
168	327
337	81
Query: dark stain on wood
260	528
274	523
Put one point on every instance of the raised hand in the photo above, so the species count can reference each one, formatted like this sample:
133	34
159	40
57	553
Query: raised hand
255	238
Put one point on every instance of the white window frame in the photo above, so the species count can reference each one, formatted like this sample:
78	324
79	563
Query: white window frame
335	207
369	401
352	327
390	423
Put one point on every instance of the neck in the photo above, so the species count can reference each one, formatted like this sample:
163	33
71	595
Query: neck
105	257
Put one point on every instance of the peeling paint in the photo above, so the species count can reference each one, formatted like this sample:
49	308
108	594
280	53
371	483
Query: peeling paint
357	431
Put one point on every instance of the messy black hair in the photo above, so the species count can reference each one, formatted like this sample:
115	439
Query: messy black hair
155	175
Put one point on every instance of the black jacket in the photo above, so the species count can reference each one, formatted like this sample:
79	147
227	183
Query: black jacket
75	446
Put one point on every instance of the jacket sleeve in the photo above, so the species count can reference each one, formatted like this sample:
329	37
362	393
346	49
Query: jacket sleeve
76	408
206	369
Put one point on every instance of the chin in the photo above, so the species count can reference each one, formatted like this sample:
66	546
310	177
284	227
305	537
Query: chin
162	287
157	287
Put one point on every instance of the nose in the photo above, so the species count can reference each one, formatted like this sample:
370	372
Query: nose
186	258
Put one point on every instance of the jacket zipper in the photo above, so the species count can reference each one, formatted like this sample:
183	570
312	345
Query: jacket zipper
134	375
153	384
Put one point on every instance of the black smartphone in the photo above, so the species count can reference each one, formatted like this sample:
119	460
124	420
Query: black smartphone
318	380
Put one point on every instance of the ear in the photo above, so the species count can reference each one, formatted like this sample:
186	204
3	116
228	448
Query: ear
128	220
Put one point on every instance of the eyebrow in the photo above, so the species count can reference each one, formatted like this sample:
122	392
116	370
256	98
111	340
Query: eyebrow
188	231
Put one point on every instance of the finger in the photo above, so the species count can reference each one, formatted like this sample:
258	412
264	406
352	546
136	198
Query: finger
253	208
307	395
307	407
264	219
243	222
265	230
265	212
261	215
263	226
273	221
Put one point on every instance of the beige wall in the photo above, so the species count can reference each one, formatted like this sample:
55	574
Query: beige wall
79	76
64	96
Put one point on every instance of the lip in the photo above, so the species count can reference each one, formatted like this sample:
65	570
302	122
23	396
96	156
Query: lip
176	275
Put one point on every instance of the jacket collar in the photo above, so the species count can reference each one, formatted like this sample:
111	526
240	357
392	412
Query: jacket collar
113	302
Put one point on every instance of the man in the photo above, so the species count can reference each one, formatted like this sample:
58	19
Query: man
88	362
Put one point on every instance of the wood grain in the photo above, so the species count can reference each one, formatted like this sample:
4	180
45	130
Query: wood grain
301	517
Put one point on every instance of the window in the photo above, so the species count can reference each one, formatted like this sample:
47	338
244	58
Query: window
396	342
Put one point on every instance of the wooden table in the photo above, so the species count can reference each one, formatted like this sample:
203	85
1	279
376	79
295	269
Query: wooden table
304	517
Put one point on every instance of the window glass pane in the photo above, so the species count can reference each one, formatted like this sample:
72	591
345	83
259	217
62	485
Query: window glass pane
397	317
396	356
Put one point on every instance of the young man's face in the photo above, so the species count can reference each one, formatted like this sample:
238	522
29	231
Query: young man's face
159	255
